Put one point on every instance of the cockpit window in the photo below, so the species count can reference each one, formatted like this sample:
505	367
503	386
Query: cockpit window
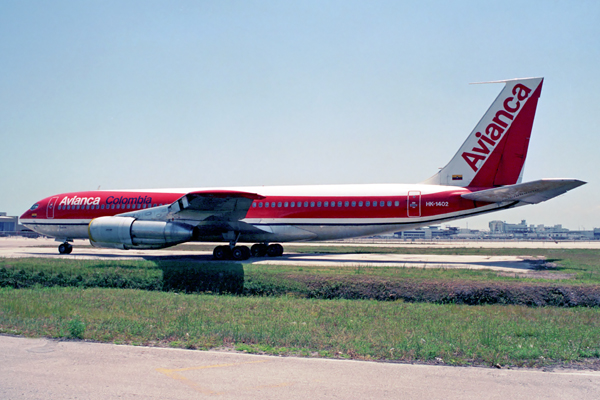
33	207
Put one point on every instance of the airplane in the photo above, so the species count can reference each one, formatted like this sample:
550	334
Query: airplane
484	176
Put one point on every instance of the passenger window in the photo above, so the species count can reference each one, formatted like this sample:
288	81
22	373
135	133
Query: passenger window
293	204
318	204
273	204
279	204
374	204
102	207
312	203
382	203
267	204
360	203
389	204
346	204
326	204
353	204
306	204
260	205
285	204
118	206
339	203
396	203
368	204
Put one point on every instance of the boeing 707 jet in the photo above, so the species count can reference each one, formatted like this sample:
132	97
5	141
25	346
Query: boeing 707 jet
483	176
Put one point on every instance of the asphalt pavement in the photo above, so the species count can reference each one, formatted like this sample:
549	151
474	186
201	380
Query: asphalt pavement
52	369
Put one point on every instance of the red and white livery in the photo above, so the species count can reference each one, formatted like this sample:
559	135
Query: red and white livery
484	176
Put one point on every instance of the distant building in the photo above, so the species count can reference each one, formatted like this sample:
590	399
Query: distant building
428	232
11	226
8	224
501	227
500	230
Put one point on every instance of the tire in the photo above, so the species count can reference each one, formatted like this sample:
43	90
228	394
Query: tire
259	250
222	253
240	253
275	250
65	248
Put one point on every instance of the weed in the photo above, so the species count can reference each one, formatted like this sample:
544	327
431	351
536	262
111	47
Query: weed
76	328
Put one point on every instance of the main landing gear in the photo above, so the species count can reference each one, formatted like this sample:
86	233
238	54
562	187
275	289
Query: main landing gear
65	248
240	253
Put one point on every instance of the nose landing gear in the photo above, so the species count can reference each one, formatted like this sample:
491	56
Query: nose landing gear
65	248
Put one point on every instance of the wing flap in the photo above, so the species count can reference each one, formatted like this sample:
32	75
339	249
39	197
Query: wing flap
209	206
217	205
530	192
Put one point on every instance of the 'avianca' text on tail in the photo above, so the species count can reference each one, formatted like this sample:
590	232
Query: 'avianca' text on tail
484	176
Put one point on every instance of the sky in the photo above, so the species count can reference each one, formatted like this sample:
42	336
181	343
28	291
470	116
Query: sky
155	94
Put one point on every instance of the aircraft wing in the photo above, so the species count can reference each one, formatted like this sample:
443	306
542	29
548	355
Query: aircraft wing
212	212
217	205
529	193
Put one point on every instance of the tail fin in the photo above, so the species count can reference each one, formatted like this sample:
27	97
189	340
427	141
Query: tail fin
494	153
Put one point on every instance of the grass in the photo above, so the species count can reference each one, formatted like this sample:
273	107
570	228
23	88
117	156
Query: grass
368	330
380	283
145	302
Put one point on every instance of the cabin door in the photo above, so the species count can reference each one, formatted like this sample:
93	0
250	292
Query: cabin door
50	208
414	204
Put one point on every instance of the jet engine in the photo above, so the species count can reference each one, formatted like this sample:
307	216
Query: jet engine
130	233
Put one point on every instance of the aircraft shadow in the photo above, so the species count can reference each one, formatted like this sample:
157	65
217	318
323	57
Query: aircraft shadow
307	258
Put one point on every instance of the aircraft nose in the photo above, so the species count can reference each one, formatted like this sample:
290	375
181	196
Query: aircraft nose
33	211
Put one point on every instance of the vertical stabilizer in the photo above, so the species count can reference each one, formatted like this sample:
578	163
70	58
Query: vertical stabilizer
495	151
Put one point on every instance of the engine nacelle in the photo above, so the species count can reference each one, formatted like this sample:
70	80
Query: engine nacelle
130	233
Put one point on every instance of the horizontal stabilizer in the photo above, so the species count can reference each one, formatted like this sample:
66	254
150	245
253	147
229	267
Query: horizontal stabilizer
529	192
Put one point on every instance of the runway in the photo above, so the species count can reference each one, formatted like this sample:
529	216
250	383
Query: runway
52	369
46	248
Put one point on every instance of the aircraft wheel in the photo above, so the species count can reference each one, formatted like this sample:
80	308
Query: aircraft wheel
222	253
240	253
275	250
65	248
259	250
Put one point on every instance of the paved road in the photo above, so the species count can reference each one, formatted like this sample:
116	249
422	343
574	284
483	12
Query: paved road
49	369
44	248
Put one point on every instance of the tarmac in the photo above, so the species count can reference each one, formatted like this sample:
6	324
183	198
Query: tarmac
47	248
53	369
